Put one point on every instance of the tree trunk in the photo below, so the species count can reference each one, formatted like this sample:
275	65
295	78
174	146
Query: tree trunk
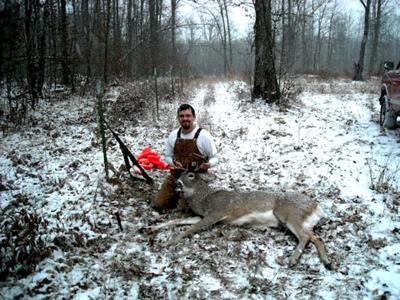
265	81
359	66
86	33
318	42
129	39
173	33
304	39
153	33
31	70
75	44
116	49
142	50
224	37
108	16
228	28
283	41
66	72
42	48
173	44
97	62
329	52
375	39
290	41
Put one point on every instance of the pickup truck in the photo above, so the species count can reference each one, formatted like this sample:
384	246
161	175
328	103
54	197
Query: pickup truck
390	95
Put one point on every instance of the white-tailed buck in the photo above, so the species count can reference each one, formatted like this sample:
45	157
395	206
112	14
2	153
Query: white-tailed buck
294	210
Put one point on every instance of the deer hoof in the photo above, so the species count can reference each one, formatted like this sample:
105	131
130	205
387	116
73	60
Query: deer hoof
293	261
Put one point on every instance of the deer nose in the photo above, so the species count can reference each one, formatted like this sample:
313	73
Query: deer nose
179	186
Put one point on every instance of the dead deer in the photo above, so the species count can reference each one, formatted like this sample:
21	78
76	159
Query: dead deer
294	210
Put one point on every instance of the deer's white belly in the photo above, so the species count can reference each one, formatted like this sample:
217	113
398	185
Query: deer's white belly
313	218
265	218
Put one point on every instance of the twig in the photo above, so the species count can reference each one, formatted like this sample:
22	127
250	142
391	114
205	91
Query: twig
119	221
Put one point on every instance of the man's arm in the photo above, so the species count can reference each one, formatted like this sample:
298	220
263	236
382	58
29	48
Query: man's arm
169	149
207	147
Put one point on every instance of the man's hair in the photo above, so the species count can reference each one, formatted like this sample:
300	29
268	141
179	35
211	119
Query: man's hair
185	107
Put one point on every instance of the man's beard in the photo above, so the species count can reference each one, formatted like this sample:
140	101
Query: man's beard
185	125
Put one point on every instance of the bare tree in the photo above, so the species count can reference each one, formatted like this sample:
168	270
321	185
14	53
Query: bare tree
87	41
318	38
153	33
377	9
173	34
65	62
106	42
129	39
359	66
265	81
223	36
330	45
35	46
227	32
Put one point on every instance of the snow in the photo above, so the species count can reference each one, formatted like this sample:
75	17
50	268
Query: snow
327	144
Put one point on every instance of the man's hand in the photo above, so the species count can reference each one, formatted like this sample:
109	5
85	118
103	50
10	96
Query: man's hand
178	165
204	166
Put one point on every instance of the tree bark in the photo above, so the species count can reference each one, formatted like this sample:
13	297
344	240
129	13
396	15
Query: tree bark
129	39
373	68
304	39
283	41
223	36
173	44
173	34
359	66
31	70
42	48
290	44
87	43
265	81
318	42
329	52
228	28
106	42
153	33
66	71
116	46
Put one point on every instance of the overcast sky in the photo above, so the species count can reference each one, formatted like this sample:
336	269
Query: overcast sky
241	19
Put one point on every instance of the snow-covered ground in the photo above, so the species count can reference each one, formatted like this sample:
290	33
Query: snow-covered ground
56	205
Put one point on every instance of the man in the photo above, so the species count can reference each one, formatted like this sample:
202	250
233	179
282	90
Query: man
187	148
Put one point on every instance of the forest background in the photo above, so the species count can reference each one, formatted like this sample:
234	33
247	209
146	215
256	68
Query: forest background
47	43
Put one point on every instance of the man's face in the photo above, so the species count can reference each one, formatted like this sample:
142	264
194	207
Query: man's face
186	119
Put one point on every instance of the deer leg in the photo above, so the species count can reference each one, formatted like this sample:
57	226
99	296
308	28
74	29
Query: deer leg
186	221
206	221
321	250
296	228
303	238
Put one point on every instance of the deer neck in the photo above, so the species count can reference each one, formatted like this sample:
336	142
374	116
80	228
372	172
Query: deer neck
198	200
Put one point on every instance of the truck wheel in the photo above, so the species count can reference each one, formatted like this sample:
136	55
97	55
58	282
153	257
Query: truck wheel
390	119
382	114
